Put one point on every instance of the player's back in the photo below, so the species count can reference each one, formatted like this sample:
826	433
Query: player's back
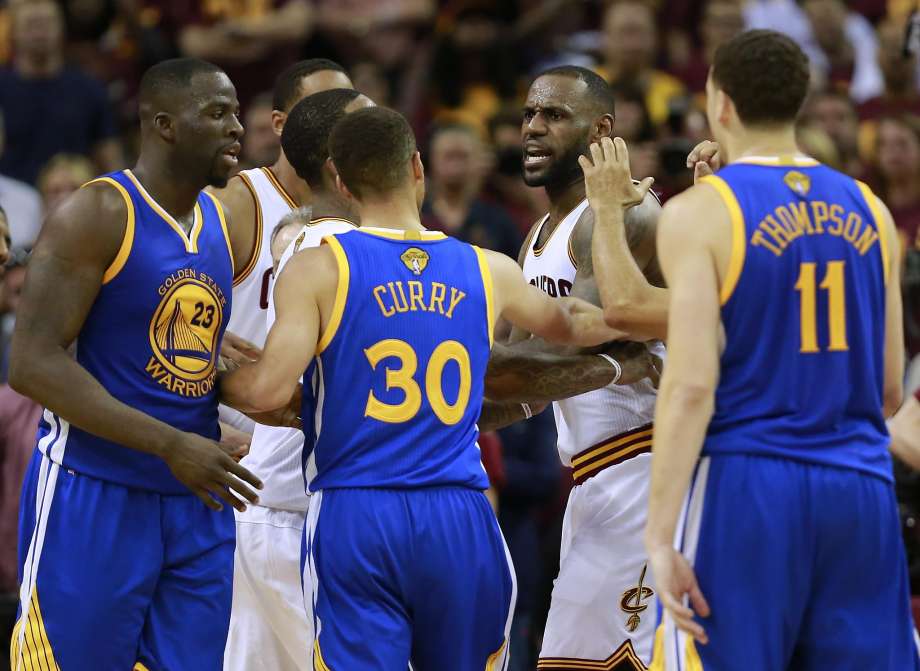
803	306
397	385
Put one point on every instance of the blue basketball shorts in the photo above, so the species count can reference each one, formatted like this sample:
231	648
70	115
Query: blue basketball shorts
114	578
802	565
407	576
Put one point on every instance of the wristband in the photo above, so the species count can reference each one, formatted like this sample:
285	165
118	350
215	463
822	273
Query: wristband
616	366
528	413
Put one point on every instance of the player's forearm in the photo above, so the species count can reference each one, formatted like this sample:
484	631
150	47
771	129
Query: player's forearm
588	326
254	388
630	303
494	416
516	374
682	415
52	378
904	428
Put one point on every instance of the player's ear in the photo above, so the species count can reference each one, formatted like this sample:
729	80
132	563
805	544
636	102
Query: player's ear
418	168
725	107
330	173
340	185
603	127
165	126
278	120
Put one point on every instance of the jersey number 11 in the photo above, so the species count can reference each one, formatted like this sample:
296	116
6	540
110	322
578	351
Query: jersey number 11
833	283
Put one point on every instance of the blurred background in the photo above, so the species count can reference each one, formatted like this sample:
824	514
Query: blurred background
458	69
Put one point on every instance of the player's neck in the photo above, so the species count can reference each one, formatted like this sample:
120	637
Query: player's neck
327	205
172	190
400	214
295	186
564	199
762	142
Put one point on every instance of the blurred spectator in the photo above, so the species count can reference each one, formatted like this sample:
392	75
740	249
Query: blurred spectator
18	423
474	66
505	186
261	143
64	174
848	43
10	291
897	156
815	142
631	41
834	113
6	243
49	107
721	20
250	39
900	71
532	475
784	16
21	204
453	204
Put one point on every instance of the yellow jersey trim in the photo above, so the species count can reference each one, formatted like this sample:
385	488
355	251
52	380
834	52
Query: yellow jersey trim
191	243
658	661
739	237
489	291
223	226
341	293
780	161
880	227
496	657
257	246
393	234
318	660
36	652
692	661
275	182
140	667
127	242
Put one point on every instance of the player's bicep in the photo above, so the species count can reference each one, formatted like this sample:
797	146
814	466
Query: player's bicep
77	246
522	304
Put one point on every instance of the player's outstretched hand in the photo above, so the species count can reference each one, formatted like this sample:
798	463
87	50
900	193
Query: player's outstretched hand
674	579
636	362
212	475
608	181
287	415
705	159
235	351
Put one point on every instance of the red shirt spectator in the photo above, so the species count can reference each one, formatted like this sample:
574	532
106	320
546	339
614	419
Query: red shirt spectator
898	164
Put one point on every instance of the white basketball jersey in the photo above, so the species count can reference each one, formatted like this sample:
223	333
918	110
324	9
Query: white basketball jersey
276	453
586	420
253	287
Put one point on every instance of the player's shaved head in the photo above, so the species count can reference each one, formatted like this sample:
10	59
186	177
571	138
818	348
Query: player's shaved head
372	149
289	84
596	91
305	138
167	81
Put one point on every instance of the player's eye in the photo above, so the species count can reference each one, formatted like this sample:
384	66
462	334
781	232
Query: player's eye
528	115
555	116
218	114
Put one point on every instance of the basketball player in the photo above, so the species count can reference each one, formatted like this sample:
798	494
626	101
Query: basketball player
405	554
269	626
598	614
125	549
257	199
788	552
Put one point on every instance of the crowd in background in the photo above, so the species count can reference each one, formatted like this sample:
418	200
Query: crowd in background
458	69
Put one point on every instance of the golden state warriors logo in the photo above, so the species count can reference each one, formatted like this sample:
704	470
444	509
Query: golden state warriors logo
798	182
184	332
415	259
632	601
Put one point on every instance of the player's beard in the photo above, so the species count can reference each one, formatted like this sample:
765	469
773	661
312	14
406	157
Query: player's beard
563	171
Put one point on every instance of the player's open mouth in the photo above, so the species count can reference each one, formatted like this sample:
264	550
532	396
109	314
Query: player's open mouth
535	157
232	153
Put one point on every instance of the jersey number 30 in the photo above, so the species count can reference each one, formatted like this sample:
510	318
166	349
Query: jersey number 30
403	378
833	283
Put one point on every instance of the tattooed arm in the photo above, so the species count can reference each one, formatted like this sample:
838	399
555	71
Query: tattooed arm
496	415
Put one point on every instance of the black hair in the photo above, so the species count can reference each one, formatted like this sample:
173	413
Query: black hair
166	77
599	91
371	149
765	74
287	85
305	138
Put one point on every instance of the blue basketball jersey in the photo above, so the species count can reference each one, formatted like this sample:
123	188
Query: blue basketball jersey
152	336
803	306
397	384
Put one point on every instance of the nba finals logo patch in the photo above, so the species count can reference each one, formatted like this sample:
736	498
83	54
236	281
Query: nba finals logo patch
415	259
798	182
184	332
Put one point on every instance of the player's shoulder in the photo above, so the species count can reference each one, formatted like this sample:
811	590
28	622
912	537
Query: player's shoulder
102	200
236	197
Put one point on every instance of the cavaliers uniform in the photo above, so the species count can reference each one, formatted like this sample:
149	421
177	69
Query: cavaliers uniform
404	554
269	626
602	613
120	565
790	520
252	286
